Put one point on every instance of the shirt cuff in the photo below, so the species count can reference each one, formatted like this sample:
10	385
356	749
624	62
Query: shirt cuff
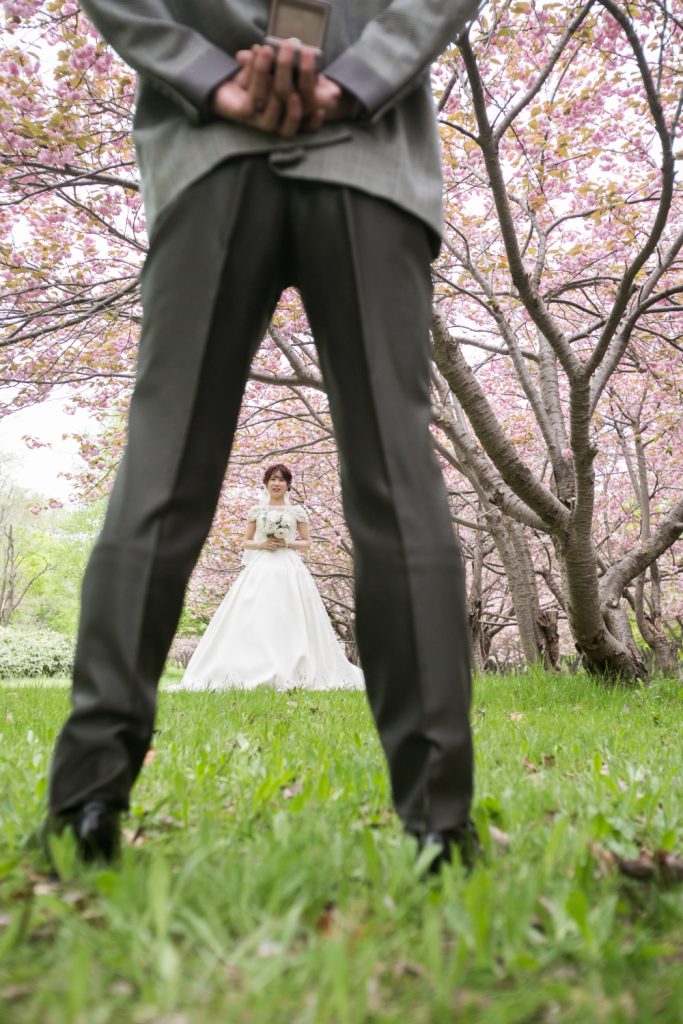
204	75
354	75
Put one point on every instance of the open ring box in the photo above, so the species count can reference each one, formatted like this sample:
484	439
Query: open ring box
302	20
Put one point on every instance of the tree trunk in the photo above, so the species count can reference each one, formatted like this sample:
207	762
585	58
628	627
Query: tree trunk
515	555
479	642
650	623
600	628
547	623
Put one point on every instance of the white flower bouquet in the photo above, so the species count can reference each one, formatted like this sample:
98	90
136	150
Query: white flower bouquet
276	526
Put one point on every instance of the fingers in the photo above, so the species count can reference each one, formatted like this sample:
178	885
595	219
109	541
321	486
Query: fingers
306	80
283	79
260	83
292	117
243	76
268	120
279	95
283	119
314	121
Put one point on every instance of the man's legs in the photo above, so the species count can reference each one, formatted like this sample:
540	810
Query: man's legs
363	269
210	284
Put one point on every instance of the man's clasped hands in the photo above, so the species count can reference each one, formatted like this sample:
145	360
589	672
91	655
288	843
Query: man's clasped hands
280	93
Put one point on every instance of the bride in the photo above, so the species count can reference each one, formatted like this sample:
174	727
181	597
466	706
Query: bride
272	626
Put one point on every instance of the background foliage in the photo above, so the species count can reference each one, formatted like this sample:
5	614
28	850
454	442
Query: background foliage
557	318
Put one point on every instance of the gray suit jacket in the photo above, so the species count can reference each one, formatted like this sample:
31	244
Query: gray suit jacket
379	50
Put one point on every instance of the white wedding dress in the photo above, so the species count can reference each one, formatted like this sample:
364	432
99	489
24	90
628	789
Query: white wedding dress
271	627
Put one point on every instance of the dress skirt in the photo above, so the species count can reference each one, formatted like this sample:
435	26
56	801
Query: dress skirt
271	629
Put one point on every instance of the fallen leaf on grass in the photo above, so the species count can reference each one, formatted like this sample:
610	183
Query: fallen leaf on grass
376	819
95	915
43	933
373	995
47	888
135	836
122	988
661	865
407	969
167	1018
465	1001
166	821
499	837
641	868
75	898
328	922
234	976
11	993
604	859
547	761
291	791
34	878
671	867
268	948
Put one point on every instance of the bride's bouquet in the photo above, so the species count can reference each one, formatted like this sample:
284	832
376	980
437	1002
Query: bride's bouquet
275	527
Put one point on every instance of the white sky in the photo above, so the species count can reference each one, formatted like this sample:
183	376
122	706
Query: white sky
38	469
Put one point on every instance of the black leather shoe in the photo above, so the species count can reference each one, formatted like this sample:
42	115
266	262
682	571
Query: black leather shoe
95	826
464	838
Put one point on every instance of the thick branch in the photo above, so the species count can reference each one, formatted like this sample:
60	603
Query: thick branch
619	575
512	469
481	474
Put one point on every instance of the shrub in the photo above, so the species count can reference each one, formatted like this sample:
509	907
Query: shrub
34	653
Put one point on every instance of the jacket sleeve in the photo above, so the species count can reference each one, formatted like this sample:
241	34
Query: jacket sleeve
387	61
178	60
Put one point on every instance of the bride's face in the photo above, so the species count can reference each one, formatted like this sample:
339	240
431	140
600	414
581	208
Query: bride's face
277	485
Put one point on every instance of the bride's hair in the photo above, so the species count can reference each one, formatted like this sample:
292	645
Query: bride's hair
284	470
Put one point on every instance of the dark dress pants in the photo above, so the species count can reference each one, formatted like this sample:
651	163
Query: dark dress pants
218	262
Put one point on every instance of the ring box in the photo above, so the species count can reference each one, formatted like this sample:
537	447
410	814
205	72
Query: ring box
301	20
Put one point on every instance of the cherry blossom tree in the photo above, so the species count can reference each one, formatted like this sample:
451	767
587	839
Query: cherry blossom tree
556	329
562	266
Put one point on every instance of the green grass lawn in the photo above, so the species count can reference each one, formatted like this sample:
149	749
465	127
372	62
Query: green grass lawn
266	879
